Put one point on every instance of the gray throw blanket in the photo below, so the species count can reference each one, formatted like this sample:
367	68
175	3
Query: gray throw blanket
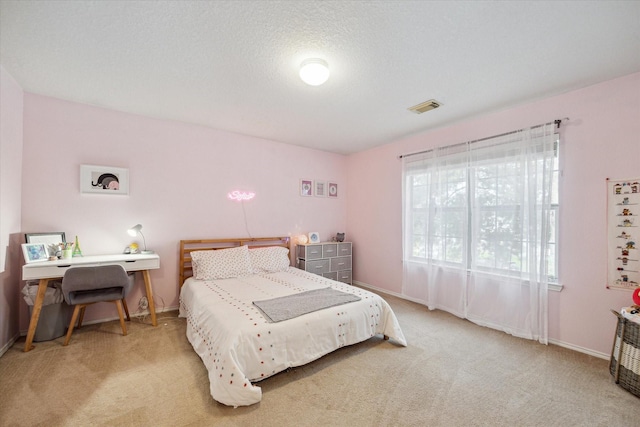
290	306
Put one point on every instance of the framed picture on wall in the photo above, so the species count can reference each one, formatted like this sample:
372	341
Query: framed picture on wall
104	180
35	252
332	188
306	187
321	189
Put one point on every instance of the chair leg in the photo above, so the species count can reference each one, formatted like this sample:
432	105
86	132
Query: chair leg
76	310
122	324
126	309
81	315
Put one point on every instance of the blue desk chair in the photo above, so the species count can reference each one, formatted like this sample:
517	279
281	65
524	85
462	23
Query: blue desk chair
83	286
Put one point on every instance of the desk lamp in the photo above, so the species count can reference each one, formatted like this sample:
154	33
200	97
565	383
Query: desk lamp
134	231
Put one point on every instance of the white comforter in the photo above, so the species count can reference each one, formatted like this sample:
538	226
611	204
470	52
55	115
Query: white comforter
239	347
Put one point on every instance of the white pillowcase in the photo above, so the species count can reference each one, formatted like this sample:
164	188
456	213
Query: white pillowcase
269	259
221	263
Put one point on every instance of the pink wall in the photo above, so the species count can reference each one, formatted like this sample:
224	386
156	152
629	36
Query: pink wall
601	139
180	174
11	103
179	177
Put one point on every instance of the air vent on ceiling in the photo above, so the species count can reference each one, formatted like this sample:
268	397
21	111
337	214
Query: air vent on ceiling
425	106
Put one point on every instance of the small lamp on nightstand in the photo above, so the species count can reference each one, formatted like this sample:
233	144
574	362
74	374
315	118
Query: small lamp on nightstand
134	231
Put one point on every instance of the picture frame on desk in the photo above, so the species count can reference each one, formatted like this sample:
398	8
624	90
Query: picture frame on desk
52	240
314	237
104	180
35	252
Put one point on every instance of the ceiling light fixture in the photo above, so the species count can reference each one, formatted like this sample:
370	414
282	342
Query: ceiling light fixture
425	106
314	71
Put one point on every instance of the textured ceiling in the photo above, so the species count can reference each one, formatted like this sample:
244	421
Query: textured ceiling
233	65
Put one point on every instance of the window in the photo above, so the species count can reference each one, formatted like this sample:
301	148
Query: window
472	206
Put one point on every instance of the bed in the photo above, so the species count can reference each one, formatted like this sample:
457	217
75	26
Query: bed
251	315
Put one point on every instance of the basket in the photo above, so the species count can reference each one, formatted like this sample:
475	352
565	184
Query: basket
625	355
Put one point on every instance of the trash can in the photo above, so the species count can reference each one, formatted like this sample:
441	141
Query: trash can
54	316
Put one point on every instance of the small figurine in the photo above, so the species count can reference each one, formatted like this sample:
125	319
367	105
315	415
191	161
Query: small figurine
76	249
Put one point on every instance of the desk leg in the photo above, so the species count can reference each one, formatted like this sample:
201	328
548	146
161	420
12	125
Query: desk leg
35	315
149	289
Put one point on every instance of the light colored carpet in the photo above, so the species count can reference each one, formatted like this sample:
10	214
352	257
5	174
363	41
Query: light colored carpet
453	373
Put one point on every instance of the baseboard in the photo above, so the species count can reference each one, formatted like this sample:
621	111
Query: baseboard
551	341
137	314
109	319
388	292
581	349
8	345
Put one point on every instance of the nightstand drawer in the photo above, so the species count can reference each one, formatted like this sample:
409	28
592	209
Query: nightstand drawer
315	266
344	249
341	263
329	250
344	276
310	251
333	275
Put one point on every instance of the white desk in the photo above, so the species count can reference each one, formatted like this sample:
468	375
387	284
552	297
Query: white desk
48	270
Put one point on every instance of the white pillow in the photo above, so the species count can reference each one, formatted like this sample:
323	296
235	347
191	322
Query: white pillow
221	263
270	259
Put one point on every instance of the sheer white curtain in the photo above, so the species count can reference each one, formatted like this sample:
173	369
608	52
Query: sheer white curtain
479	229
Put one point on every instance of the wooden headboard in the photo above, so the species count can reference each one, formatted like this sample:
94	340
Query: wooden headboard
188	246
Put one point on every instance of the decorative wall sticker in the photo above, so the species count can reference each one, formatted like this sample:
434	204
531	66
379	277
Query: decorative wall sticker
623	228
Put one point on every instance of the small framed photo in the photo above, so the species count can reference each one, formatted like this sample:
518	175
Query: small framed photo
306	187
332	188
104	180
321	189
51	240
46	238
35	252
314	237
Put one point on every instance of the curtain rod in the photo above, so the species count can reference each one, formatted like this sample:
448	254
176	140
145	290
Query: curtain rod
557	122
